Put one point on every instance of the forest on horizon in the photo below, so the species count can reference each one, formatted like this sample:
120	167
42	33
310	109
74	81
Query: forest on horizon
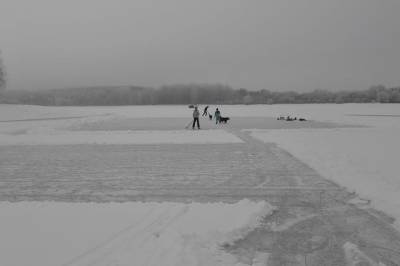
192	94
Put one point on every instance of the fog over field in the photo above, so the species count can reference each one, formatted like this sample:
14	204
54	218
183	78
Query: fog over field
275	45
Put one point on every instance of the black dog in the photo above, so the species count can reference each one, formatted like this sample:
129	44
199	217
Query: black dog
224	119
210	116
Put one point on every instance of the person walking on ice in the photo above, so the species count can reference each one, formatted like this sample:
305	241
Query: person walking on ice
217	115
205	111
196	115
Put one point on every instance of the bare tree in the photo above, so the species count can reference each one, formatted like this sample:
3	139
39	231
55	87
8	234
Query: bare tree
2	75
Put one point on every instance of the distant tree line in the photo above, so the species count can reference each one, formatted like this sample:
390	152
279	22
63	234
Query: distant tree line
192	94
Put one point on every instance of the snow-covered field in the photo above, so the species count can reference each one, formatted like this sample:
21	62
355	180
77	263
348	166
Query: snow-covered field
48	233
354	145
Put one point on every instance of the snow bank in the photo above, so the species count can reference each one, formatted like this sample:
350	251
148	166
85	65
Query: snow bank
58	137
123	233
365	160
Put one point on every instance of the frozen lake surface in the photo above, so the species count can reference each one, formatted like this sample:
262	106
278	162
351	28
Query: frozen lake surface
290	184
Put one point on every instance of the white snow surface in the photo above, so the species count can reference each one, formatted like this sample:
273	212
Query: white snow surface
48	233
361	159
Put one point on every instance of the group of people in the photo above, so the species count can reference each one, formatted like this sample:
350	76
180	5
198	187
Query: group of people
196	116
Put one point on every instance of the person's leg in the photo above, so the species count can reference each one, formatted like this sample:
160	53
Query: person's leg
198	123
194	121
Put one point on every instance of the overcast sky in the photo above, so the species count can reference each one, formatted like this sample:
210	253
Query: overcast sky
272	44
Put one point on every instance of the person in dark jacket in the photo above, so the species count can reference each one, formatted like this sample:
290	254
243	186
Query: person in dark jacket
196	115
217	115
205	112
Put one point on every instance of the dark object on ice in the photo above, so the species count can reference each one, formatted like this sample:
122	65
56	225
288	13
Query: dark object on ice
223	119
191	106
288	118
210	116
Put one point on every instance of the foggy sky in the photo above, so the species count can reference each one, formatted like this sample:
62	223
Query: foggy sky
272	44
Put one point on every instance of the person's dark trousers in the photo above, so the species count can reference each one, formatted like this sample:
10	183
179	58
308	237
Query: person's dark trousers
196	119
205	113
